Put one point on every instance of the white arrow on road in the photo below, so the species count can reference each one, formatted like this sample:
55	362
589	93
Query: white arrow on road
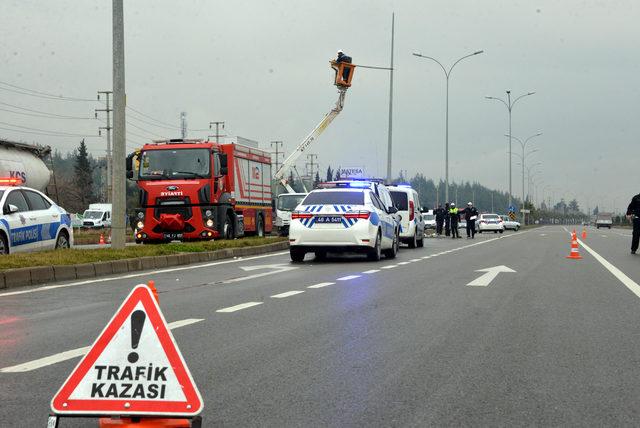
273	269
489	276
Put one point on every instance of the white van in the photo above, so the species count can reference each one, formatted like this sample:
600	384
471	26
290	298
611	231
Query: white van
406	200
98	216
285	204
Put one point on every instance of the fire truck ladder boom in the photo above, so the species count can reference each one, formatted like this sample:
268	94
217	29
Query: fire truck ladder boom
309	139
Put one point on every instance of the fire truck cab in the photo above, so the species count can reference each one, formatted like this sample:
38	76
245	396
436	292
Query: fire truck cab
195	190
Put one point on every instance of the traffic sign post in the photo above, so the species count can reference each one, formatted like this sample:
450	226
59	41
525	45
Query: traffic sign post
134	368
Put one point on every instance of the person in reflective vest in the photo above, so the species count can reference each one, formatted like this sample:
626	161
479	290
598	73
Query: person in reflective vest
454	217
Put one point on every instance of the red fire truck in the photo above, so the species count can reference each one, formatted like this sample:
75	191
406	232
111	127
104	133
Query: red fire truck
194	189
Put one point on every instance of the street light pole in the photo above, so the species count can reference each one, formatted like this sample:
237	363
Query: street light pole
509	105
524	146
447	74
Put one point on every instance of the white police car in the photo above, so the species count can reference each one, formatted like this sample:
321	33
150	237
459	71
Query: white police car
349	217
30	221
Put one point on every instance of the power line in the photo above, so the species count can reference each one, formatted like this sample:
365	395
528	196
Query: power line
166	124
43	116
39	94
46	133
43	113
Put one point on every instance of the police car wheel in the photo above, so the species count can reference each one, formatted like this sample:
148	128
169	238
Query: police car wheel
321	255
297	255
4	248
375	253
62	241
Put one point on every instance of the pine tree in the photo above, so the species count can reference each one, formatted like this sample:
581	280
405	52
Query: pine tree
316	180
329	173
83	176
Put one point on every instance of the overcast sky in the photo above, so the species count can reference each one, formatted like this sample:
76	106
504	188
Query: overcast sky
262	66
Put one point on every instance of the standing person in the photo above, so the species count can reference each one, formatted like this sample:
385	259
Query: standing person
633	214
342	57
447	220
454	218
439	213
470	216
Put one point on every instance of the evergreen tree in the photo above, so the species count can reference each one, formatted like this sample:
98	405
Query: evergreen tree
316	180
329	173
83	176
338	173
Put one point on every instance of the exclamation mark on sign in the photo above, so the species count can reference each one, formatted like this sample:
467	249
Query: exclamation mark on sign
137	322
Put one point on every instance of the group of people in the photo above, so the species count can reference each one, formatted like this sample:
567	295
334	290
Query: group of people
449	217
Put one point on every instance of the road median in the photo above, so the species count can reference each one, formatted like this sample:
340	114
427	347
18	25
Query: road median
18	270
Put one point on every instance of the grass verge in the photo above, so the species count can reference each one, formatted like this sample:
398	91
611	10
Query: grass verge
75	256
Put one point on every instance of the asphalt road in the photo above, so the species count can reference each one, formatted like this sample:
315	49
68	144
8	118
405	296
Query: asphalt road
402	342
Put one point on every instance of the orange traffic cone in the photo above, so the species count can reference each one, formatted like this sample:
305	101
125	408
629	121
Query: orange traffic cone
154	291
101	242
574	254
574	235
584	233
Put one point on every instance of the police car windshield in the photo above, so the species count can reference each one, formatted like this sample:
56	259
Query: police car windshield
400	200
182	163
337	198
289	202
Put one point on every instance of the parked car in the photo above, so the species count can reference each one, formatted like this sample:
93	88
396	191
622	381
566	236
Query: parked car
510	224
429	219
604	220
490	223
406	200
30	221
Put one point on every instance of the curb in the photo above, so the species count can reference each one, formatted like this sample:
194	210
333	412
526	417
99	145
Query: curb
22	277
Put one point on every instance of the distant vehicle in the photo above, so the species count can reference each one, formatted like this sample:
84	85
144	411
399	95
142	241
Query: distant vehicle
98	216
490	223
347	218
604	220
285	204
510	224
462	224
196	189
406	200
429	219
30	221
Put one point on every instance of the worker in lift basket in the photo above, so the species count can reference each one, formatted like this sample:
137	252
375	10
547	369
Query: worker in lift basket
633	214
344	58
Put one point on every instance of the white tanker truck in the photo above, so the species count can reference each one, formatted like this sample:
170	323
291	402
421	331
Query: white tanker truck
25	161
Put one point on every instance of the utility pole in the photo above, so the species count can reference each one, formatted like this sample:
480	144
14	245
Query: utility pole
119	197
217	124
108	128
277	144
183	124
310	165
390	137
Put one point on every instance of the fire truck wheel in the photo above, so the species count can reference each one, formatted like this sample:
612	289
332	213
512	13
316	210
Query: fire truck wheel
227	229
260	226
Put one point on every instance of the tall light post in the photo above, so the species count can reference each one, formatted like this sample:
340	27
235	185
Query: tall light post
509	105
446	138
523	144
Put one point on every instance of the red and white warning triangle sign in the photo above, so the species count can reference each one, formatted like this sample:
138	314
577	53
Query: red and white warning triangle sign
133	368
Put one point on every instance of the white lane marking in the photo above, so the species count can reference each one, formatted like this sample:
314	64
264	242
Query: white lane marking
73	353
348	277
321	284
543	234
414	260
389	267
604	236
371	271
287	294
238	307
137	275
274	269
426	257
489	275
404	263
628	282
